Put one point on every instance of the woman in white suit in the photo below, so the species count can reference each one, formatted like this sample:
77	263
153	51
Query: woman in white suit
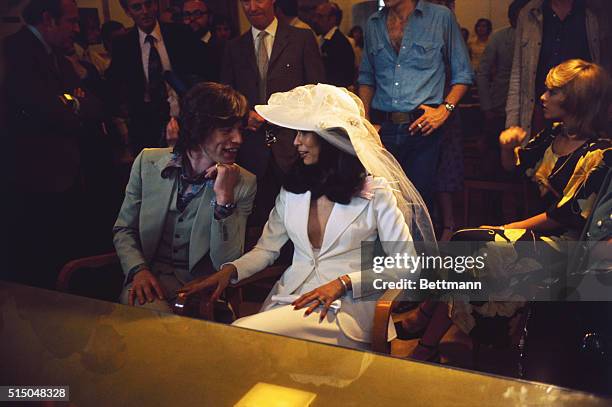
345	189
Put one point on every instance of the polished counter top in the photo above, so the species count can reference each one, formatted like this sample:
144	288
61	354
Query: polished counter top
115	355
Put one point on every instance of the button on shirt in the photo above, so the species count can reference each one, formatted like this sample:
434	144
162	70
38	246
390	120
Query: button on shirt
417	74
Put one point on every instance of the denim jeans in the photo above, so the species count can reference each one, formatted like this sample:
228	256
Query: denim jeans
417	154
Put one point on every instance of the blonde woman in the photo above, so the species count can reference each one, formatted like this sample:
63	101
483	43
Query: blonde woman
568	161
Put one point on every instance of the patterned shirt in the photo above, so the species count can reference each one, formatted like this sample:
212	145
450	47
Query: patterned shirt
190	185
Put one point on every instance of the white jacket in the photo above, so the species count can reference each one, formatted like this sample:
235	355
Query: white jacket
362	219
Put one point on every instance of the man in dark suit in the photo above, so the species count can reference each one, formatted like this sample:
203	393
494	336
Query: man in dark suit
140	59
336	51
270	57
45	112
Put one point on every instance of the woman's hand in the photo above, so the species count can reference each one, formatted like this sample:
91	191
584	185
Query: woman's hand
324	295
511	138
220	280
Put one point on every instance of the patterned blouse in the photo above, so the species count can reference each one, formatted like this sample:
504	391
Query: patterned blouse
569	184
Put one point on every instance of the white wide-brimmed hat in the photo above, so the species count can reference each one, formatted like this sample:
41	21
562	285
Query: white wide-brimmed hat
338	116
333	113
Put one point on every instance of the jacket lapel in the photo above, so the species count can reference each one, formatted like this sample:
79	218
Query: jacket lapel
247	47
156	213
299	207
340	219
199	242
280	42
136	56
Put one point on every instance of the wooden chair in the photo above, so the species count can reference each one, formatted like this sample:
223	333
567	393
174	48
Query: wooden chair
382	313
200	306
101	277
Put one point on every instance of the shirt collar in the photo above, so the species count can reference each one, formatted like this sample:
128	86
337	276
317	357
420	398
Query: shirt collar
420	8
330	33
177	165
38	35
271	29
156	33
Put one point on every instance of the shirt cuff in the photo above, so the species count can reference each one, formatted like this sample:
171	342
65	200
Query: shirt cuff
135	270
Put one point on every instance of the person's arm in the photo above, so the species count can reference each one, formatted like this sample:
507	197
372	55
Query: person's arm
434	117
484	73
538	223
393	232
38	100
126	235
462	76
367	78
509	141
265	252
227	234
366	94
513	100
126	238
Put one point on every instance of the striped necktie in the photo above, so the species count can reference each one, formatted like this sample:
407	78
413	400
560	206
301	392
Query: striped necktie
262	66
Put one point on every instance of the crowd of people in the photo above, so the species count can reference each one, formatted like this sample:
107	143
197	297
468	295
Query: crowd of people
321	140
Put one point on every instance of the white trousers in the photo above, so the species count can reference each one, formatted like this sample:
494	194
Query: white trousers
283	320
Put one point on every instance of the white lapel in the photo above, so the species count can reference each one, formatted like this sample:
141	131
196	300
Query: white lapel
296	218
340	218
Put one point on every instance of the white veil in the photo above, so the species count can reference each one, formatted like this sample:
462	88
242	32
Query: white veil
338	116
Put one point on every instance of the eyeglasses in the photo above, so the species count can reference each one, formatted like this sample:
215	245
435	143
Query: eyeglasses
138	6
194	14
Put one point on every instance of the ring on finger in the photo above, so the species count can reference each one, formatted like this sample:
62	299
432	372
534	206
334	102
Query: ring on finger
420	126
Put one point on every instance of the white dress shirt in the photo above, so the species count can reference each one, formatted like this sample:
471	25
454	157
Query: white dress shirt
145	49
271	30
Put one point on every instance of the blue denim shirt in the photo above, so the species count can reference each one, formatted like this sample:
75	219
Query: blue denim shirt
432	41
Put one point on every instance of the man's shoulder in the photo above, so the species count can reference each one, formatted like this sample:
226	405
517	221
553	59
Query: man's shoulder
125	41
21	41
248	178
294	32
153	155
341	38
179	30
240	40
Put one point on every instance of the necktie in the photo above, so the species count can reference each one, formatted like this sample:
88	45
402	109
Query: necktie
156	87
262	66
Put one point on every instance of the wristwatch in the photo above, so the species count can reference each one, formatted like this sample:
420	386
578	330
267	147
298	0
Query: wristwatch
222	211
449	106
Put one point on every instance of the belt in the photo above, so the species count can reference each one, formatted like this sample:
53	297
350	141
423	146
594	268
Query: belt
379	116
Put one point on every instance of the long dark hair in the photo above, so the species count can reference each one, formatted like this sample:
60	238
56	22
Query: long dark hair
208	106
337	175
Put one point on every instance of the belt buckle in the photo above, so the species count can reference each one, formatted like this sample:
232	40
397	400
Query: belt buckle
400	117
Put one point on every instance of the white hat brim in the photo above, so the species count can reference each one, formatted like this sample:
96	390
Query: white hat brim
284	116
